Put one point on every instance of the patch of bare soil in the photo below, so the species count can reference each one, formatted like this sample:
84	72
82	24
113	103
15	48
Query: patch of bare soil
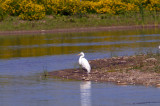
140	69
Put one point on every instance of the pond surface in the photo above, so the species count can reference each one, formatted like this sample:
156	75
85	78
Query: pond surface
23	59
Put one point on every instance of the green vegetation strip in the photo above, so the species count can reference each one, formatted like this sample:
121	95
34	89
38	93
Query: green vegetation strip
12	23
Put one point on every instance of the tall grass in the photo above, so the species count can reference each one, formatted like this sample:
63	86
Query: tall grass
76	21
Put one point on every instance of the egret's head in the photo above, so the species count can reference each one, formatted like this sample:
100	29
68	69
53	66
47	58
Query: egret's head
81	54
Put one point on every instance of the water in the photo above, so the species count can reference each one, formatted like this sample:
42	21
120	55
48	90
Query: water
23	59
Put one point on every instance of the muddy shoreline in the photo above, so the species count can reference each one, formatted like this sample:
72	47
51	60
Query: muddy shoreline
87	29
126	70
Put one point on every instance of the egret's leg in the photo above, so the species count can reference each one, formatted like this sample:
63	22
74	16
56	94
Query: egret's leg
81	69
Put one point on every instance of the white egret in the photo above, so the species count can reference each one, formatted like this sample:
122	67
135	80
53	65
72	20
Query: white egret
159	46
84	63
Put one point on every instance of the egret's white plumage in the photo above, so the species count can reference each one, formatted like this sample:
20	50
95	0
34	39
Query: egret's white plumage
84	63
159	46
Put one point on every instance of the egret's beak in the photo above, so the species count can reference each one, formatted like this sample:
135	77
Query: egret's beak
78	54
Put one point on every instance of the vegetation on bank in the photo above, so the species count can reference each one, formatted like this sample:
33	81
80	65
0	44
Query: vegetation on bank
11	23
37	9
50	14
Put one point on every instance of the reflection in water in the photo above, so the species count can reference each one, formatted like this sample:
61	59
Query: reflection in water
60	44
85	88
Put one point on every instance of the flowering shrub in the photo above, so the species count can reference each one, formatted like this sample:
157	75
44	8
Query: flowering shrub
115	7
67	7
88	7
1	13
154	5
11	7
119	7
31	11
36	9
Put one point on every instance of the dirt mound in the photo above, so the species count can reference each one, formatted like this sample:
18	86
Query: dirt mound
140	69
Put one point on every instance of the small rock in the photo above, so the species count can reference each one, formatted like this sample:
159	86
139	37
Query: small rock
42	30
114	57
87	79
123	61
125	57
121	83
76	71
151	59
158	85
118	81
83	78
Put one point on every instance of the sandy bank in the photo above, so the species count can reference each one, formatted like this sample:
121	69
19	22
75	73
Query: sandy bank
135	70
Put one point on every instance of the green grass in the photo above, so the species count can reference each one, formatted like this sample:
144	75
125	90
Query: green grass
11	23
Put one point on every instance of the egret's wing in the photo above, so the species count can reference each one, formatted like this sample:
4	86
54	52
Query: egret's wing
85	64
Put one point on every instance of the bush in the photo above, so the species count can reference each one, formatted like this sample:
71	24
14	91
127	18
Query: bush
62	7
11	7
2	12
115	7
154	5
31	11
87	7
36	9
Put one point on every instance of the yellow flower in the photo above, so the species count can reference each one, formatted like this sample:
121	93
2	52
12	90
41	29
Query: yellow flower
31	11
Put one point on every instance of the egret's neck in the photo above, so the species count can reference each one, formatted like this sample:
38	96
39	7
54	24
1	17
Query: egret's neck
80	58
82	55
